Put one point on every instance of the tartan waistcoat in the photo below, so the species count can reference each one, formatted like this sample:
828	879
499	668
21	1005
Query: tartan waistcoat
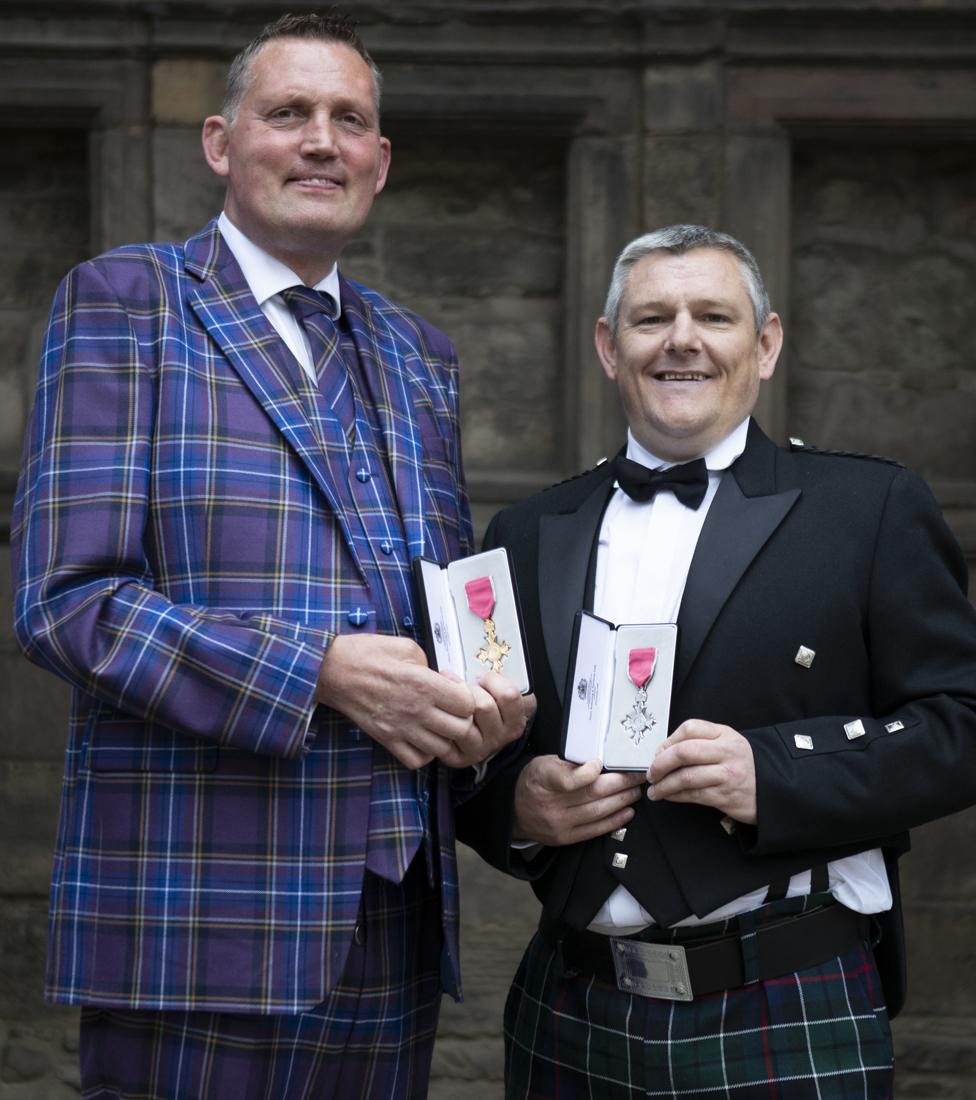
347	389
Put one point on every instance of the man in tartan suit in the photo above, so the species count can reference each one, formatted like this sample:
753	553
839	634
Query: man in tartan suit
737	932
233	456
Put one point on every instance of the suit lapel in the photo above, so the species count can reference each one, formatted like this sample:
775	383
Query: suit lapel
394	394
225	306
742	517
565	544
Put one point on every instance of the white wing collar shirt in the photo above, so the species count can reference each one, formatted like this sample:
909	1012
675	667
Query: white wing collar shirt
642	564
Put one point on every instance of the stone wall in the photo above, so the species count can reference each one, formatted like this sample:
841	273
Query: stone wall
531	140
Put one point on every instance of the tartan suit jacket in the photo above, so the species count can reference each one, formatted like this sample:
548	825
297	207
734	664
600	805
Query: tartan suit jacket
182	558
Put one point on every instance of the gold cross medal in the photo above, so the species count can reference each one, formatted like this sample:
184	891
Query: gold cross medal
640	668
481	602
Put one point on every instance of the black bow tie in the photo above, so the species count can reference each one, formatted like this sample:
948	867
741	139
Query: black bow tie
688	482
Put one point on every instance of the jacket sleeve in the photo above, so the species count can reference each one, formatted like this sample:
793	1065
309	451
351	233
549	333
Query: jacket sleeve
486	814
86	605
854	777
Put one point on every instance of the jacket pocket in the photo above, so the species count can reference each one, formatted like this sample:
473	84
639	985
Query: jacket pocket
118	743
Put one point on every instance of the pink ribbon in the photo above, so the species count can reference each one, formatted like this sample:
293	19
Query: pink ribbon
641	664
481	596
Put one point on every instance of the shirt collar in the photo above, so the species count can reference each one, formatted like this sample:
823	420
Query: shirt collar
266	276
720	457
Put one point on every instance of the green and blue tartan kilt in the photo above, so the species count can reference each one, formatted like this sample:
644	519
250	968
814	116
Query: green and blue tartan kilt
820	1033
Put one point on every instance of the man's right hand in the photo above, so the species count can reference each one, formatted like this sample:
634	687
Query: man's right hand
557	802
384	685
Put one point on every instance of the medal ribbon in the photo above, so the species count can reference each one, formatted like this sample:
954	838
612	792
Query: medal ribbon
481	596
640	665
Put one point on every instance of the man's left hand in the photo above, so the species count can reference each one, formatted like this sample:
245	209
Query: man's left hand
501	715
709	764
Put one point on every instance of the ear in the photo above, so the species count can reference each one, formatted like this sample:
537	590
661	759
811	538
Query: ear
385	151
606	348
216	139
770	345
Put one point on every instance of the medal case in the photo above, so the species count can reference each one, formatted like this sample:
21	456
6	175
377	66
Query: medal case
608	715
470	617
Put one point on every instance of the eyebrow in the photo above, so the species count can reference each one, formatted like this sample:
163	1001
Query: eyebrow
697	303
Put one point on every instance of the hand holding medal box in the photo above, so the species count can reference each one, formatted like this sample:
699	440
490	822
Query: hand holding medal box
618	694
471	619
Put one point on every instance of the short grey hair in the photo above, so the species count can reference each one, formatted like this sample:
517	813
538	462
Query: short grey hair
331	26
678	239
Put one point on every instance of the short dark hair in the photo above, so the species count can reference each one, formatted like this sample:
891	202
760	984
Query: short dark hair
678	239
330	26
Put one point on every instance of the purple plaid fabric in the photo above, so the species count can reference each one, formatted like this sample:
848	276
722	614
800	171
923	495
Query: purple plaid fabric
341	415
314	311
185	545
372	1037
818	1034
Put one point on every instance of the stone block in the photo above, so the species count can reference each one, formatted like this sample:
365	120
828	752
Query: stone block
33	220
29	800
933	872
880	340
496	908
476	264
472	179
186	194
185	91
682	177
35	1065
941	959
27	278
35	720
450	1088
39	163
682	98
25	1059
935	1057
13	411
23	944
931	432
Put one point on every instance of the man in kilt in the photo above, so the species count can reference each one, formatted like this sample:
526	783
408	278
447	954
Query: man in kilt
727	922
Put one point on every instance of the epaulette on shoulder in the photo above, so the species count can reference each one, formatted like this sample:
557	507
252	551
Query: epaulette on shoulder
582	473
796	444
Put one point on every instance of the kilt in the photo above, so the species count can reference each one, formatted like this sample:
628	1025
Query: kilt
372	1037
820	1033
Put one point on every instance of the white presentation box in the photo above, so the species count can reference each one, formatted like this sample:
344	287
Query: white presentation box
470	617
608	715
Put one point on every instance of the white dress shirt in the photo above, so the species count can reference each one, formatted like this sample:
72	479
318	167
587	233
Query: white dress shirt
266	278
643	557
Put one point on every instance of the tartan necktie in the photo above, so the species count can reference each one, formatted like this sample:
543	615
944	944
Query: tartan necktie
313	310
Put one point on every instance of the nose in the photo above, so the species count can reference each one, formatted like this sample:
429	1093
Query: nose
318	136
683	335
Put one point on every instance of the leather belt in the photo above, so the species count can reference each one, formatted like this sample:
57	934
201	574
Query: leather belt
648	964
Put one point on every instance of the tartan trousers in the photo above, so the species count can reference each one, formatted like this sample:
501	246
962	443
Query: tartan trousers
372	1037
817	1034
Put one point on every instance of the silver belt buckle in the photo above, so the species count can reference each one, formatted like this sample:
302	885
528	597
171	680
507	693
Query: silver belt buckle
651	969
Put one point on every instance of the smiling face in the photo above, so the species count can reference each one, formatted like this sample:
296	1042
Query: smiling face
686	357
304	157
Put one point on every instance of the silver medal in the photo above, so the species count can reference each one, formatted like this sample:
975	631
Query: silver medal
639	721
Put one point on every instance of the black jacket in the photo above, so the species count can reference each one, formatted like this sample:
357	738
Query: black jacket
846	555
